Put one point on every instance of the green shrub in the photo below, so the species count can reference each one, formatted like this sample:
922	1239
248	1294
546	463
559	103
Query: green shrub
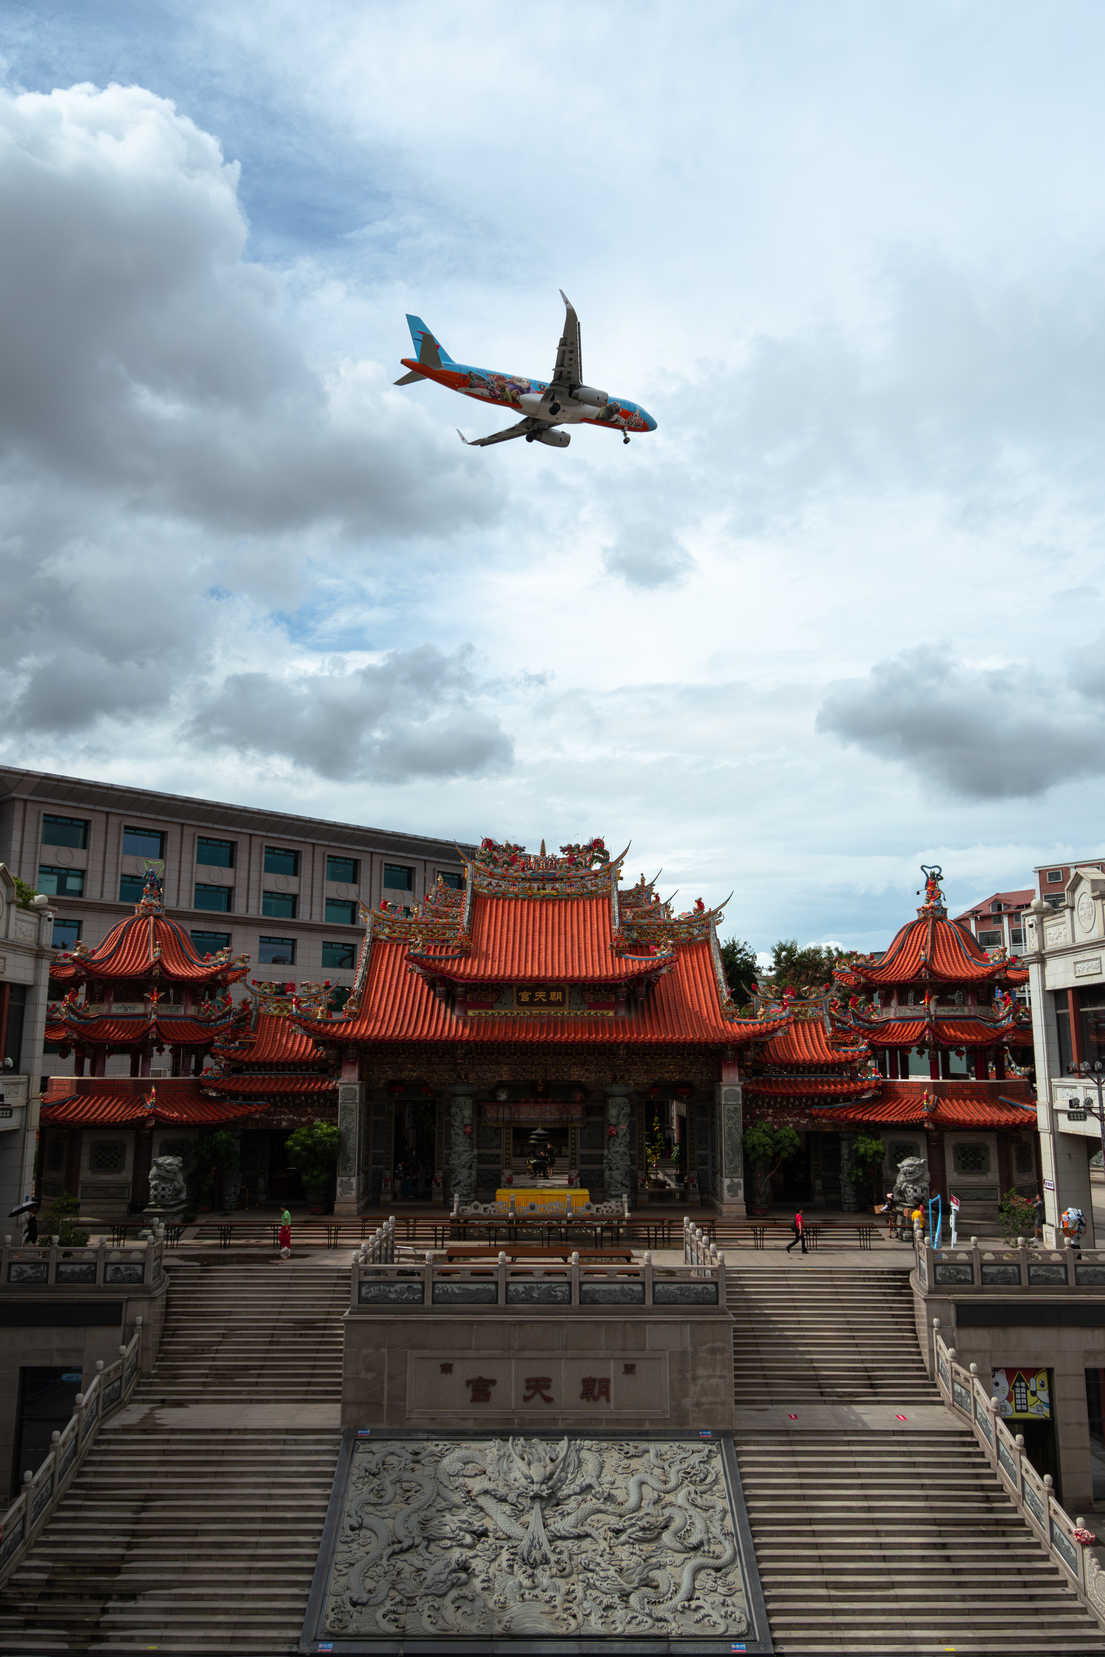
59	1220
1017	1215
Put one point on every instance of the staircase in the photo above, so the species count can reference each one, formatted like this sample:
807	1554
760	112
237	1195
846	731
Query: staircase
806	1334
879	1540
195	1523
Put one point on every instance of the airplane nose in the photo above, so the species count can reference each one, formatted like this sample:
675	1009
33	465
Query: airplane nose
650	424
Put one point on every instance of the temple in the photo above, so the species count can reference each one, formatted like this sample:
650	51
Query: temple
541	996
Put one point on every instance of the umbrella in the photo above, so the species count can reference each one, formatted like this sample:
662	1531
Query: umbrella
27	1206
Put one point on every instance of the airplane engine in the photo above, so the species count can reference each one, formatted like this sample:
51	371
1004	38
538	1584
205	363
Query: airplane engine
555	439
587	394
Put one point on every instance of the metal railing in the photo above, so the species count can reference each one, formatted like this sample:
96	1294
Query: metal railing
100	1266
43	1489
1067	1540
1024	1266
496	1282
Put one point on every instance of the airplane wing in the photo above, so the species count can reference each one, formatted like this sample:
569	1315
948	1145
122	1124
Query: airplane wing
568	372
520	430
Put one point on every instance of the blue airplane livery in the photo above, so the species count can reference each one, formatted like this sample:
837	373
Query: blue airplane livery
545	405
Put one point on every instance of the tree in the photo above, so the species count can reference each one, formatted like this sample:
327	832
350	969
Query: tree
867	1154
24	894
806	968
741	971
313	1150
767	1146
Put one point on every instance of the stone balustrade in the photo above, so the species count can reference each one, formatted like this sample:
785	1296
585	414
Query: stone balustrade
379	1249
972	1266
100	1266
698	1249
616	1209
42	1489
1067	1540
496	1284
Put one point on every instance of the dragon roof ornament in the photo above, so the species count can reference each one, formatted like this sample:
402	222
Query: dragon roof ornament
504	869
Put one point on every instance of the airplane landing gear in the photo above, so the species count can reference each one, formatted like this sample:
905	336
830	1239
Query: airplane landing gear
529	437
625	439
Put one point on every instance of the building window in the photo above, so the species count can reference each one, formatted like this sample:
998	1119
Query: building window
65	831
60	883
280	861
130	888
341	911
13	1029
1053	876
1055	902
143	842
1016	935
398	878
209	943
1024	1156
347	870
66	934
276	952
213	897
995	908
971	1158
279	906
450	877
218	854
107	1156
339	955
988	939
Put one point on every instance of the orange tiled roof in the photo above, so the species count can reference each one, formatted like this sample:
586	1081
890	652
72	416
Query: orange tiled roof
930	949
249	1084
805	1041
518	939
942	1104
808	1087
683	1006
274	1039
939	1032
95	1101
135	1030
147	945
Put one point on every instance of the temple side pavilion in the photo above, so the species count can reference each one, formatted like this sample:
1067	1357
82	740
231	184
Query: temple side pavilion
541	995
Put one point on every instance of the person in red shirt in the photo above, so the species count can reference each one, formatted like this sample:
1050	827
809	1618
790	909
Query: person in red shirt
799	1226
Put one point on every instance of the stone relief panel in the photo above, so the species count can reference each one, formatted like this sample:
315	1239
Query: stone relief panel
569	1538
732	1142
616	1156
462	1148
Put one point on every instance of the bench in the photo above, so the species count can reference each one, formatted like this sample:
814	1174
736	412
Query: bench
524	1252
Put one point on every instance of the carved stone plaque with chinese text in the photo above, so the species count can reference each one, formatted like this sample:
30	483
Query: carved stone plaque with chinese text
440	1384
553	1538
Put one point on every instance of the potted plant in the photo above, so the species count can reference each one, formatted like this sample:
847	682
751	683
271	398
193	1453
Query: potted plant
313	1151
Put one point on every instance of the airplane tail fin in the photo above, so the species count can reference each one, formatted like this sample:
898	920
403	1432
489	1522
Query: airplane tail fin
427	348
410	379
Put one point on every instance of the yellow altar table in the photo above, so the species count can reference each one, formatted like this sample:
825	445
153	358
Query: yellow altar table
543	1196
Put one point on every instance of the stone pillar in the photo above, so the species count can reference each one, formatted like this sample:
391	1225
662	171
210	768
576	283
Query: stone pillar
617	1168
461	1169
351	1126
730	1142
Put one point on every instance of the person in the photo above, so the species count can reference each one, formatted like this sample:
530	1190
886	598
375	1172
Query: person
1038	1229
30	1228
887	1207
799	1227
284	1236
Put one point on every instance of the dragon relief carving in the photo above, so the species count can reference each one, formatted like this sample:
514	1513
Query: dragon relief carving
528	1536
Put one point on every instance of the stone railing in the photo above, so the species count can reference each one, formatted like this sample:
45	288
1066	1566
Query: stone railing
1066	1539
497	1283
616	1209
698	1250
1026	1266
43	1489
31	1268
379	1249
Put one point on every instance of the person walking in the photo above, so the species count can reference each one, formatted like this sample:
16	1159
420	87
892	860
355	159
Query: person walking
284	1235
799	1226
1038	1228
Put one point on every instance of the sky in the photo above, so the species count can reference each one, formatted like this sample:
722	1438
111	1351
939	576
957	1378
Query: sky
838	616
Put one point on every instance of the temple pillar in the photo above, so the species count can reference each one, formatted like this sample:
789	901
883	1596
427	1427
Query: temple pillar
934	1064
729	1185
617	1162
350	1180
847	1173
461	1168
978	1059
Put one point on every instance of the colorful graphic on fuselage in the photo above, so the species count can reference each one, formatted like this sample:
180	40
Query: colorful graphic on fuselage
544	404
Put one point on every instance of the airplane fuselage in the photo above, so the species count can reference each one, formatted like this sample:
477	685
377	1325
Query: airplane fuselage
516	391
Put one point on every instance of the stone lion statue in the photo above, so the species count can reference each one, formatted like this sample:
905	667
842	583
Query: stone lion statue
911	1185
167	1188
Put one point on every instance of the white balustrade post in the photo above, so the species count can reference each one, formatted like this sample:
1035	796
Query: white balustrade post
935	1370
646	1260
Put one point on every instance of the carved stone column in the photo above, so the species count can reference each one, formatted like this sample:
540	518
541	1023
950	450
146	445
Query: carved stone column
350	1126
462	1146
847	1173
730	1142
617	1164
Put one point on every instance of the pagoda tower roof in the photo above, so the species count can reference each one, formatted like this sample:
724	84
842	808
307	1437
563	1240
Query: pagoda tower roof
930	950
146	947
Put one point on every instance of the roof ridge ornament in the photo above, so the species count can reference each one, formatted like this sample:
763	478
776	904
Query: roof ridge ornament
934	903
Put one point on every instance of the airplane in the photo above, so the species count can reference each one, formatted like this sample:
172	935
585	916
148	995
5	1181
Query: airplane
543	405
